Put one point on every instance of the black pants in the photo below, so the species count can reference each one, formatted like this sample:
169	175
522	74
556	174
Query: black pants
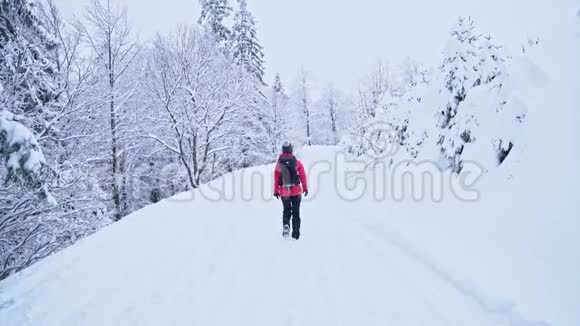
292	208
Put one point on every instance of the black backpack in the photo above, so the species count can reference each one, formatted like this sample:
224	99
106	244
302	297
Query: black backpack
288	171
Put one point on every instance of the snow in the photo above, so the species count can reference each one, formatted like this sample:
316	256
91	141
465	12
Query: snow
28	156
197	259
215	256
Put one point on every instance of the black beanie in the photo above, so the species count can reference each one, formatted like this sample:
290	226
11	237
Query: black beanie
287	148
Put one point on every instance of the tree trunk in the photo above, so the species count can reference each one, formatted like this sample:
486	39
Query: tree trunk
114	140
114	157
307	113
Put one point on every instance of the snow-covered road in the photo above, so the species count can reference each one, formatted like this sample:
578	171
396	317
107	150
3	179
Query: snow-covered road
183	262
233	268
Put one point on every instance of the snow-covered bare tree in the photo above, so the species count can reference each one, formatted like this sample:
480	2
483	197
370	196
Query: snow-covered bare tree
279	122
332	105
109	36
370	103
82	143
374	89
305	105
405	110
70	134
251	144
202	98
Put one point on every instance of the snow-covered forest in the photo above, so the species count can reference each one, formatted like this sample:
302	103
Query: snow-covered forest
96	124
106	139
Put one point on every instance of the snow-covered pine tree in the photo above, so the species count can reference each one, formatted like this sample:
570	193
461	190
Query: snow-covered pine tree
510	114
494	127
247	50
247	54
22	156
459	74
26	72
25	228
213	13
458	68
486	132
491	63
27	95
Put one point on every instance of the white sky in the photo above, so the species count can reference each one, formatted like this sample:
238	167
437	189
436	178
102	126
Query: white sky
339	41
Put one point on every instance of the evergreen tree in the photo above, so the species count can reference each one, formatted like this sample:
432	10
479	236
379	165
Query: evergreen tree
213	13
247	50
457	69
27	93
491	60
24	160
27	74
27	100
459	72
278	87
476	61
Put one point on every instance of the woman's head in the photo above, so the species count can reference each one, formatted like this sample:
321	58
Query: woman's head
287	148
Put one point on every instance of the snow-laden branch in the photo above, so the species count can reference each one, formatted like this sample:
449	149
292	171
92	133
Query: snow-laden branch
23	157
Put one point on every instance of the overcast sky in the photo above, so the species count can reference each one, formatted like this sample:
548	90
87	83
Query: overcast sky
338	41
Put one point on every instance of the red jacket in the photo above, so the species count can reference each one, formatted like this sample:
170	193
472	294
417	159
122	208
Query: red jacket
295	190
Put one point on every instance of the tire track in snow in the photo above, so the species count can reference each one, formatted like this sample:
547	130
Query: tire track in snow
405	293
501	312
429	302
